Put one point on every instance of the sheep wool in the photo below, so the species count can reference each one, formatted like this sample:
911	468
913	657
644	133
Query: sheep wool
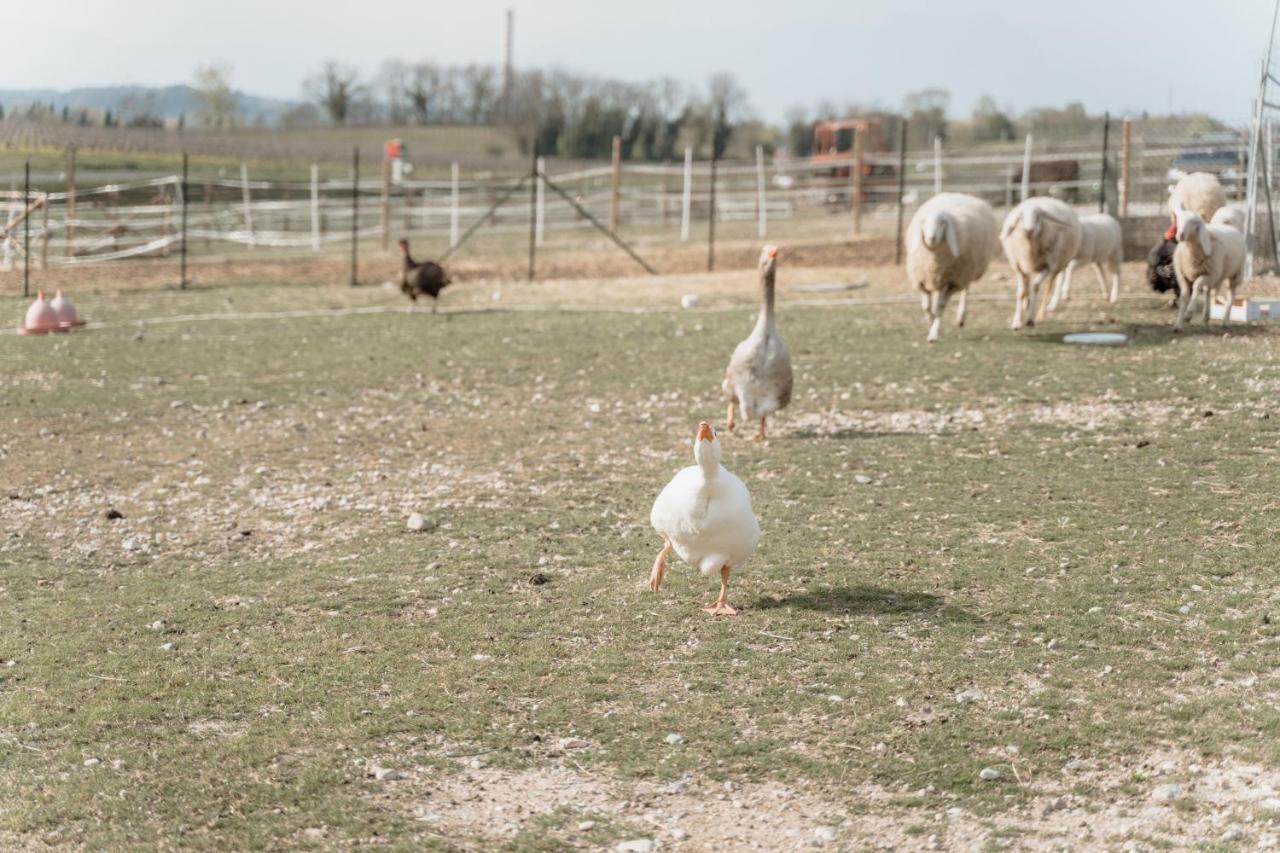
1206	257
1102	247
1040	238
950	243
1198	191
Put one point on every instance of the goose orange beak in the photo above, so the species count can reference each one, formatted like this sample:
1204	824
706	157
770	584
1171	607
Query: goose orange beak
771	251
705	433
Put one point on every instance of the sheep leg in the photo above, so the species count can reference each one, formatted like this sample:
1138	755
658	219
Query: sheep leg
1019	300
733	402
937	304
962	308
1185	290
1062	287
1035	311
1209	292
1102	280
1232	285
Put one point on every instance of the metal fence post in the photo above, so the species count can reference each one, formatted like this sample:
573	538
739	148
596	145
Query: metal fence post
615	184
902	186
533	208
355	213
1102	185
26	229
182	278
1125	153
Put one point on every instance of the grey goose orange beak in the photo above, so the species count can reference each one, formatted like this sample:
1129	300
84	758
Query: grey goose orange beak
705	433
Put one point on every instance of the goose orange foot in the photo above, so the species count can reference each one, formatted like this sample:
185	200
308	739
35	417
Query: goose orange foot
719	608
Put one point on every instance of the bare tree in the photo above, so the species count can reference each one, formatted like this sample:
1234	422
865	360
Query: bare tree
480	88
216	103
393	80
727	105
335	89
423	90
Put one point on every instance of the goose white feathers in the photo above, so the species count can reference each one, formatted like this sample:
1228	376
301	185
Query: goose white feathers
705	515
758	379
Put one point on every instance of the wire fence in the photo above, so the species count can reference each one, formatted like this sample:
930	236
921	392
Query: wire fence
1126	167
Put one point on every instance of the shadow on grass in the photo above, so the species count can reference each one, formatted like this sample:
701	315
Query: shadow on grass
1145	334
849	434
867	599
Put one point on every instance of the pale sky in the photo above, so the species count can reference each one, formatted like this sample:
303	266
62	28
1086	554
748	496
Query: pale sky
1122	55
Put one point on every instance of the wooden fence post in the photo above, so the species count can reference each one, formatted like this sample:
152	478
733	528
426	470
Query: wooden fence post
686	200
615	188
69	213
762	215
247	202
315	207
1026	170
856	192
937	165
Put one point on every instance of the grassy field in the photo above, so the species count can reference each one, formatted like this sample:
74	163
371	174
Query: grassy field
995	553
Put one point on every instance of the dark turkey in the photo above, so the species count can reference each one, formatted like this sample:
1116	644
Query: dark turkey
427	278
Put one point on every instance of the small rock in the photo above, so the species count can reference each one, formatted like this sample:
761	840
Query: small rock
113	514
586	826
385	774
824	833
635	845
674	739
481	658
92	762
574	743
973	694
168	647
420	523
1075	765
862	479
990	774
1095	610
679	834
1164	793
132	544
835	697
1233	833
156	626
678	787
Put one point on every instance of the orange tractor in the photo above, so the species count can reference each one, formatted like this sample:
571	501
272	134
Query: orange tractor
833	140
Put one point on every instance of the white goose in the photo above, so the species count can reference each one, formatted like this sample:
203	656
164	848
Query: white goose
705	514
758	378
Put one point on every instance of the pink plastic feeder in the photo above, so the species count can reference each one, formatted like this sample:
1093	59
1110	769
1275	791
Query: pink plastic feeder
67	316
41	317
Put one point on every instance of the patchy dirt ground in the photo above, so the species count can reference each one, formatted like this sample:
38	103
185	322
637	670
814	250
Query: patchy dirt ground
998	553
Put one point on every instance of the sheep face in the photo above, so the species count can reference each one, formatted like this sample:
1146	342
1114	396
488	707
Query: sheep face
1191	227
939	228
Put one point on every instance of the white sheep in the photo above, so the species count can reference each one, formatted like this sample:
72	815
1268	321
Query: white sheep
1102	245
1200	192
1230	216
1040	238
1207	255
950	242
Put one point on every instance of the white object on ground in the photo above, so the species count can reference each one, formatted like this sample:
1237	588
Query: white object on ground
689	300
1097	338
